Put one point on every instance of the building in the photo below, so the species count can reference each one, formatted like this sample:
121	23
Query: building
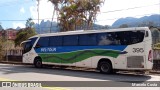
9	34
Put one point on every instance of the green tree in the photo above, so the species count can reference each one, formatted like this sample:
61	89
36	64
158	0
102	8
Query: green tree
30	23
146	23
76	13
124	26
2	48
25	33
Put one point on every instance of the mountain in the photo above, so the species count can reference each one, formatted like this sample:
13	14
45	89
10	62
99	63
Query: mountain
18	28
1	28
44	27
153	20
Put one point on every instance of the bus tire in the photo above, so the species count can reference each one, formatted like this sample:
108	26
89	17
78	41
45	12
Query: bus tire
38	63
105	67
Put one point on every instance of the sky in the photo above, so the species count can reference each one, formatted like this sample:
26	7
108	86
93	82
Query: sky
14	13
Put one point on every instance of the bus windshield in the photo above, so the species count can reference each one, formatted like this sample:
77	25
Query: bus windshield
29	44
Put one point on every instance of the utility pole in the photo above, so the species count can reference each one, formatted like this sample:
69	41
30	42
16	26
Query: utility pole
38	16
52	20
7	46
159	13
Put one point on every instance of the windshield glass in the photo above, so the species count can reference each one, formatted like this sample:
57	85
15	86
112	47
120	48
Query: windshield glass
28	45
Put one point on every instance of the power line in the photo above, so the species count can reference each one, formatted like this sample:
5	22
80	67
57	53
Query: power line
8	2
25	20
124	17
13	3
99	20
129	8
98	13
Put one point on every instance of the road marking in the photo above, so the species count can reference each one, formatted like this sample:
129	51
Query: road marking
49	88
56	88
5	79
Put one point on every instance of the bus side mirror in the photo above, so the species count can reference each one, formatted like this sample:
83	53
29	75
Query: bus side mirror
146	34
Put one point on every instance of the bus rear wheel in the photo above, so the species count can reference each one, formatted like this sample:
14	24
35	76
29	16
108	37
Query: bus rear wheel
38	63
105	67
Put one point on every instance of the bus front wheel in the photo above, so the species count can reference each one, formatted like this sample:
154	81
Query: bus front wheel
105	67
38	63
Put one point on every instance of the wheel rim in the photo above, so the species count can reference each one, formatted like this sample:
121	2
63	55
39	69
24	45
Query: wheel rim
38	64
104	68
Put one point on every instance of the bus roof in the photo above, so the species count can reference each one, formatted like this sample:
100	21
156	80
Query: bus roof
90	31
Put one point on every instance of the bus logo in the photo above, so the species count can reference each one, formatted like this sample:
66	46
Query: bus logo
48	50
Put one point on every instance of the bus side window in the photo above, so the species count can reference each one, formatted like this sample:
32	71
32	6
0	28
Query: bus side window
103	39
56	41
87	40
70	40
43	42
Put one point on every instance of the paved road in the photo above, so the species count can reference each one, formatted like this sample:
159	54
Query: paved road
10	72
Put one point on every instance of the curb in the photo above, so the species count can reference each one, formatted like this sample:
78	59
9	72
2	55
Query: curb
18	63
155	72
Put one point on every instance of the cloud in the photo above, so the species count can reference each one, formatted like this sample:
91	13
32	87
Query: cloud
112	5
22	10
21	25
45	10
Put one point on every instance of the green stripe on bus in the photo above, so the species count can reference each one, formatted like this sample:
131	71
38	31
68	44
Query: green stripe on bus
77	56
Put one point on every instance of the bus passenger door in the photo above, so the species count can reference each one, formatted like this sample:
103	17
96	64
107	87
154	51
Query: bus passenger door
83	58
68	56
86	45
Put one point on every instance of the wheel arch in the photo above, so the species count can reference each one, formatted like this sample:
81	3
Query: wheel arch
104	60
37	57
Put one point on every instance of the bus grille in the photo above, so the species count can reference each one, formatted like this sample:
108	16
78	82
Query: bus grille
135	62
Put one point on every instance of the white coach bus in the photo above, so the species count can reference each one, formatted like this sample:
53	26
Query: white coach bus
105	50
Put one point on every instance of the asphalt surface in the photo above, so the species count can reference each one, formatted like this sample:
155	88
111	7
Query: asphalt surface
12	72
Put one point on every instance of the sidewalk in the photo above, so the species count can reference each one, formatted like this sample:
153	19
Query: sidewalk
13	62
155	72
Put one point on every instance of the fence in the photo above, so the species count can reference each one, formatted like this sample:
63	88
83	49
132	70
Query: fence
14	52
156	59
14	55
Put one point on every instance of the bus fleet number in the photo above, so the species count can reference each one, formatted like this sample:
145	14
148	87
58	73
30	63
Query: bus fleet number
138	50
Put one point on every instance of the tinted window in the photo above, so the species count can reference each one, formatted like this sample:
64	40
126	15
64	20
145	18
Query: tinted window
33	40
27	47
70	40
43	42
107	39
87	39
130	37
56	41
120	38
137	36
124	37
